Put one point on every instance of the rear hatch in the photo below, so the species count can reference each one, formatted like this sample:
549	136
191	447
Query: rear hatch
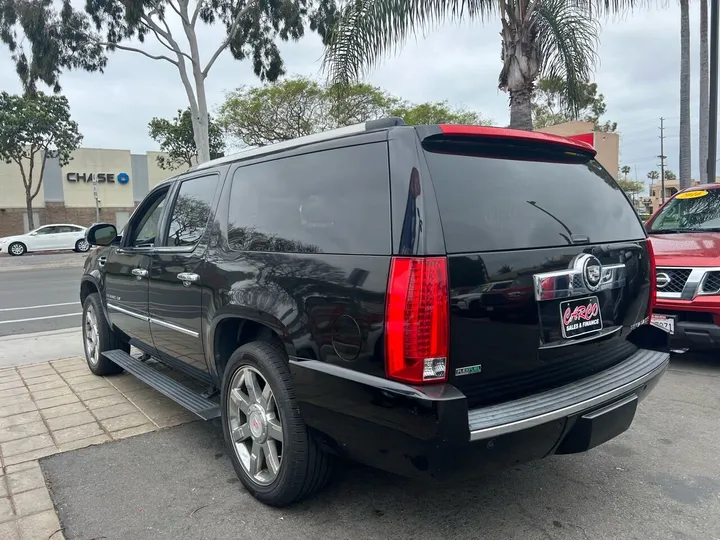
549	268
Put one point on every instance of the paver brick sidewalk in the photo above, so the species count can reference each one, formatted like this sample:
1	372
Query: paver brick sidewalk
55	407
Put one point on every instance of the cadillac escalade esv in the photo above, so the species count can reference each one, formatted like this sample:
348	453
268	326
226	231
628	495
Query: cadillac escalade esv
421	299
685	234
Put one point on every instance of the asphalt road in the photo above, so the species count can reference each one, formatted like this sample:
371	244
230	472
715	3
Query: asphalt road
39	300
660	480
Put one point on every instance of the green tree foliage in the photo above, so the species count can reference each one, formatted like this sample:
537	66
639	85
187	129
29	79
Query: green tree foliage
550	107
669	175
631	187
43	42
176	139
273	112
440	112
32	129
250	30
653	175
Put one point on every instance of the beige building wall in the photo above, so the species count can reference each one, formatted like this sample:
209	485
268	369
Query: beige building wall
95	161
155	173
12	189
606	144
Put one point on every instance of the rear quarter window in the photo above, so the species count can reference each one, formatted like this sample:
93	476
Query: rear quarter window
332	201
518	201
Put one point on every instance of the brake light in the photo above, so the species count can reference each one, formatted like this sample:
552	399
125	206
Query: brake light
516	134
417	320
653	278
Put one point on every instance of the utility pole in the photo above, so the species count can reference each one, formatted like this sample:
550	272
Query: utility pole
662	160
713	123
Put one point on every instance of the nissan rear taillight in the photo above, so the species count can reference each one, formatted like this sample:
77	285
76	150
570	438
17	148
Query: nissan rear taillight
417	320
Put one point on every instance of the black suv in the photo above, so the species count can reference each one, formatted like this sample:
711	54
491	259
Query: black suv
421	299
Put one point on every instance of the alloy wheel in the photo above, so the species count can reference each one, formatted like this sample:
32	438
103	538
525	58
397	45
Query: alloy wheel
83	245
255	425
92	350
17	249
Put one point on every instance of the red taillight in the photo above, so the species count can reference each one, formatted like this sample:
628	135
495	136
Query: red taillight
417	320
653	278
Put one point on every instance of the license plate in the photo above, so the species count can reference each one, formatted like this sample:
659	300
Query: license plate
580	317
664	322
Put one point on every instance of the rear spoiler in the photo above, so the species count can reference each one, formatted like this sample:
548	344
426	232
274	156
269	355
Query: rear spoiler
576	142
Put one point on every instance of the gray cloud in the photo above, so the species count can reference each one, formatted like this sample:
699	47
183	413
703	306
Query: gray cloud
638	73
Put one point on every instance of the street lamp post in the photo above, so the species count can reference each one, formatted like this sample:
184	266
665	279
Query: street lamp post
97	200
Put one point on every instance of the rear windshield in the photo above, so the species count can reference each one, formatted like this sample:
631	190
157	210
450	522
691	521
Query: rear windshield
523	198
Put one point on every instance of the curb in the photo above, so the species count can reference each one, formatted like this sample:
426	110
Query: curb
44	266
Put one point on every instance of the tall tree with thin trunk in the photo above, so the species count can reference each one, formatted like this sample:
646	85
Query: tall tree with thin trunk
704	115
549	38
250	30
685	134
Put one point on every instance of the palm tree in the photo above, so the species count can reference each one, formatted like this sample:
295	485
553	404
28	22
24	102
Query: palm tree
625	170
548	38
685	143
704	93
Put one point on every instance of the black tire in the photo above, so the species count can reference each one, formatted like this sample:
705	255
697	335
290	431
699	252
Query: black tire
107	340
82	246
17	248
304	467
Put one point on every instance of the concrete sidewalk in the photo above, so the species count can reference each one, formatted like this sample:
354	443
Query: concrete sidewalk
37	347
55	407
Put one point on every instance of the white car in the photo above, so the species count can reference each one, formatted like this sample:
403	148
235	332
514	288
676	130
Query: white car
46	238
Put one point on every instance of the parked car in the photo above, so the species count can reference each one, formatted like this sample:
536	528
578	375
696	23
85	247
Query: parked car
55	237
308	286
685	234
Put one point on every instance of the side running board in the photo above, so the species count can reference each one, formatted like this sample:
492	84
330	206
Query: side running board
192	401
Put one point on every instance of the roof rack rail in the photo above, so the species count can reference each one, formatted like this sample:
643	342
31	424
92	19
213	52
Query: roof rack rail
370	125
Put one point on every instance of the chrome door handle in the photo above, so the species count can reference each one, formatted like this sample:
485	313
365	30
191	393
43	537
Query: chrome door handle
139	272
101	261
188	278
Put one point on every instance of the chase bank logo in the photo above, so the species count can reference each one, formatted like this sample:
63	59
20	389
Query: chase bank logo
98	178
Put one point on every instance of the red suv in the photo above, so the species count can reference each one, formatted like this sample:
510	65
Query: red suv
685	235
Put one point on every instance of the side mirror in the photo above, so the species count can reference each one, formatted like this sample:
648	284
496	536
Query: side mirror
101	234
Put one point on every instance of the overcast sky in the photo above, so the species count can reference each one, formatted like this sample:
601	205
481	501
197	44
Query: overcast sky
639	74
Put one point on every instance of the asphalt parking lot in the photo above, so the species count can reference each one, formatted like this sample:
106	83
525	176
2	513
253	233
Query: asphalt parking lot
659	480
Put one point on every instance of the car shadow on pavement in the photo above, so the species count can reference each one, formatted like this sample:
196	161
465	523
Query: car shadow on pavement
179	484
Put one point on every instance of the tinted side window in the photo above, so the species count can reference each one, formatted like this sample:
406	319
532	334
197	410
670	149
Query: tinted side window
334	201
191	211
48	230
145	226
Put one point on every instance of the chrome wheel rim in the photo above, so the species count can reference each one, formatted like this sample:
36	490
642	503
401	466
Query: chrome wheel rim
91	336
83	245
16	249
255	425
